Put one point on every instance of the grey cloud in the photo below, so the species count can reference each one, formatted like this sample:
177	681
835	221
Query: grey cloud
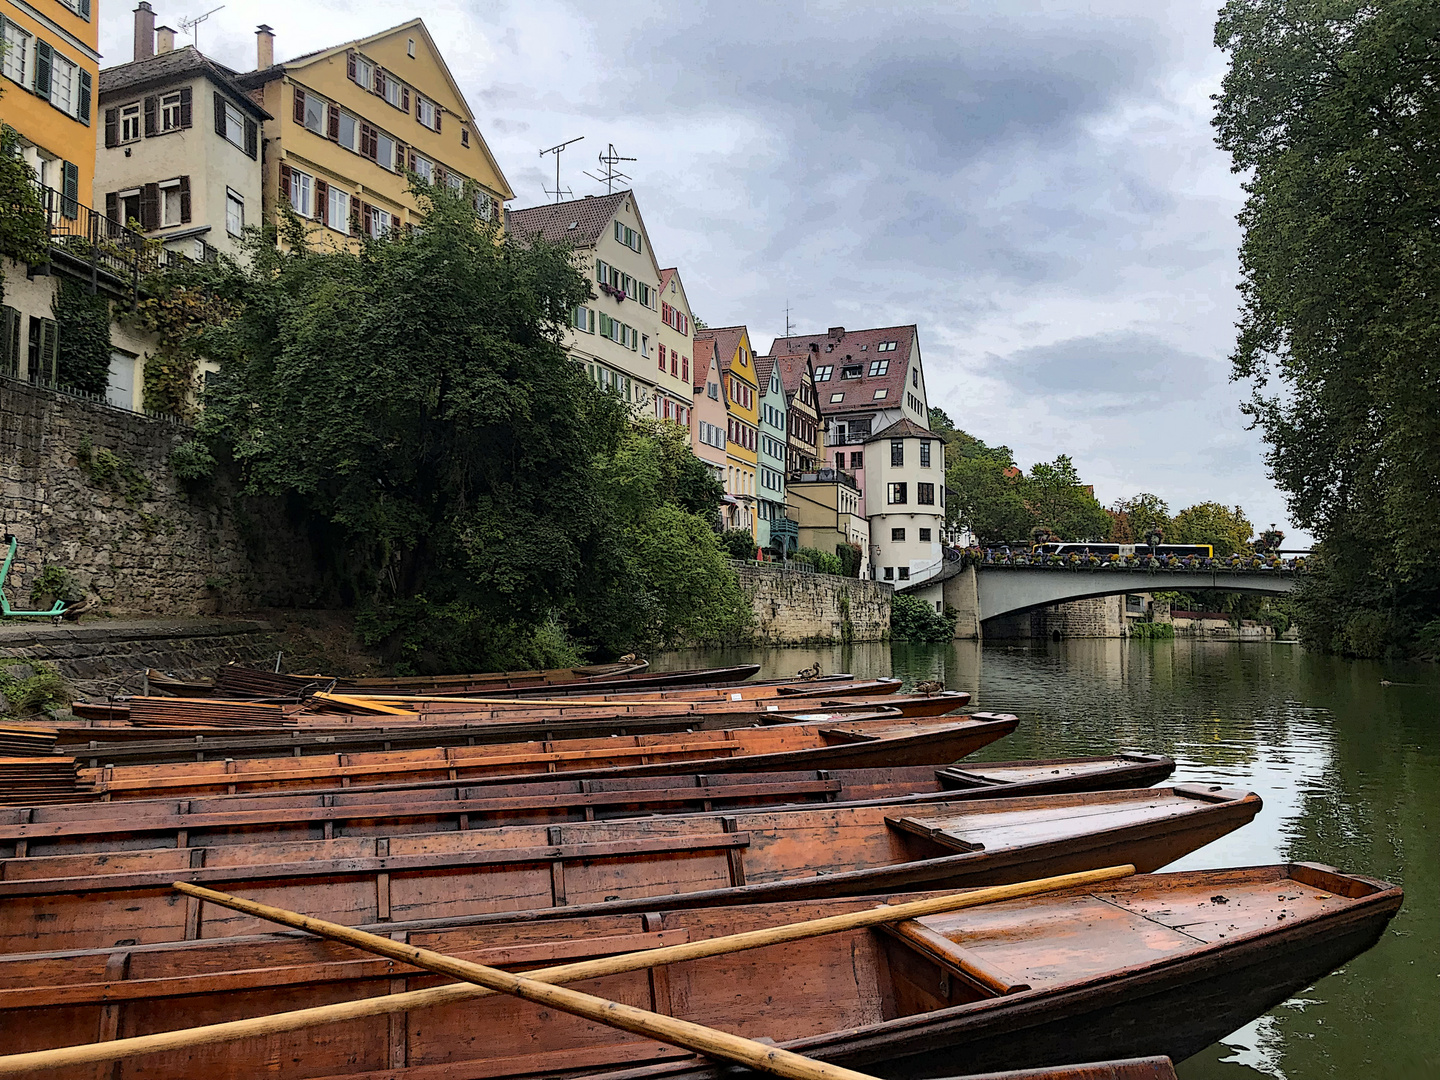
1121	364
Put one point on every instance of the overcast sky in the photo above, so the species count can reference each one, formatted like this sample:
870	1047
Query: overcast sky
1033	184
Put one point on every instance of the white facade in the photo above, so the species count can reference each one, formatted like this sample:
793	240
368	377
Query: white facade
180	156
905	499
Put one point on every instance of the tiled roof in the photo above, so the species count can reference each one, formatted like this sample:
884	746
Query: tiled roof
792	370
727	343
704	360
171	67
764	365
851	347
665	276
577	223
903	429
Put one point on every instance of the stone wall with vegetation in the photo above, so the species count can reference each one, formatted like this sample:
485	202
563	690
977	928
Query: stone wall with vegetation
796	608
90	489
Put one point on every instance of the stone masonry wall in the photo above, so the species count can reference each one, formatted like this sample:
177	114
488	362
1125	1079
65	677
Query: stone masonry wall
795	608
135	538
1099	616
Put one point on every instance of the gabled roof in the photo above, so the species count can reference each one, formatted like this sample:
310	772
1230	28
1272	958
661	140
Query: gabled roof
174	66
903	429
727	343
793	369
665	276
841	347
260	77
704	360
764	366
577	223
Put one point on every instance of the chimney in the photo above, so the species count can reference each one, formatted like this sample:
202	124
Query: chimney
164	40
264	47
836	333
144	31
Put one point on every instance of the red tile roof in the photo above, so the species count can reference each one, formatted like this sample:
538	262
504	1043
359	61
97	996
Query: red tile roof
665	276
764	365
704	360
851	347
903	429
577	223
727	343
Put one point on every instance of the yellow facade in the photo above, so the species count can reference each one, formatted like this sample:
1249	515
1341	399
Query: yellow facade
742	399
56	40
330	130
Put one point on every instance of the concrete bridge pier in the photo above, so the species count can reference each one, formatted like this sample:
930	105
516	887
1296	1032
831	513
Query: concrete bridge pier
962	592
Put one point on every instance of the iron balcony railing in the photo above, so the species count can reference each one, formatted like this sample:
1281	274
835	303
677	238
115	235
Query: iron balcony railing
86	241
825	476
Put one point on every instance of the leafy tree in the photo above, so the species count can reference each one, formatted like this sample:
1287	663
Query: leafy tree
1227	529
1132	519
1057	499
986	496
823	561
22	225
1332	109
739	544
482	501
913	619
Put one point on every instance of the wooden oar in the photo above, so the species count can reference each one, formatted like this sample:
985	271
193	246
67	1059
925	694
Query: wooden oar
653	1025
299	1019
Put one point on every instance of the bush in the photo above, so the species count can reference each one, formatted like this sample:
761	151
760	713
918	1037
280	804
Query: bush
738	544
192	461
83	324
823	561
40	689
57	582
850	557
913	619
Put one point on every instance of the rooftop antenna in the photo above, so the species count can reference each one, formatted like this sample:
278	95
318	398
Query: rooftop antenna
610	159
193	25
789	326
557	150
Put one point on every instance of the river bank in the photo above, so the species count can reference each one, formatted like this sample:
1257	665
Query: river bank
1349	770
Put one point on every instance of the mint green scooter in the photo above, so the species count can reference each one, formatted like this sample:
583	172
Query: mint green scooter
5	609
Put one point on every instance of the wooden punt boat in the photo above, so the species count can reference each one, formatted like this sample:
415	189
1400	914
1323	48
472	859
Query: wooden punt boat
92	900
851	742
1149	1068
244	681
247	819
1162	964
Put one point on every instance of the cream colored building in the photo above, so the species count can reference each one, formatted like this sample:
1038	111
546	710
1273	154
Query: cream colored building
178	145
618	335
825	504
905	500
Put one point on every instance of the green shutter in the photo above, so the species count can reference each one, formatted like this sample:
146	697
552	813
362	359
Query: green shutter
70	204
82	112
43	61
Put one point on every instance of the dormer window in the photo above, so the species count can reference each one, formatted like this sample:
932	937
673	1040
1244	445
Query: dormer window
822	374
886	346
879	367
851	371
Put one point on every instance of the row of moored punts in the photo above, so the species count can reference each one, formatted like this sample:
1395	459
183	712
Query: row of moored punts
613	872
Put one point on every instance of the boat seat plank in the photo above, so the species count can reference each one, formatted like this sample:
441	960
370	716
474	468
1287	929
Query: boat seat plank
1213	912
978	970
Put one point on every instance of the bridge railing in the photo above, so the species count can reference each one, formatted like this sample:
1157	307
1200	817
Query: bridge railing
1271	562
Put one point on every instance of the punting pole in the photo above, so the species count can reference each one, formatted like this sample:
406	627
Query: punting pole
299	1019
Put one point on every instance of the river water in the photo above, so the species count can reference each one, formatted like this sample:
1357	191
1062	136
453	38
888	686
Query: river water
1348	766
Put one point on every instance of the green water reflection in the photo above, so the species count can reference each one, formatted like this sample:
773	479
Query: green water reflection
1349	770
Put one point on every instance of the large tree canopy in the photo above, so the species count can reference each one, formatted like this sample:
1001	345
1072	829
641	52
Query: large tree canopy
1332	110
473	487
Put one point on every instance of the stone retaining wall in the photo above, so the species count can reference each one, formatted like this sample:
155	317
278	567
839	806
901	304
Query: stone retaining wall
89	487
795	608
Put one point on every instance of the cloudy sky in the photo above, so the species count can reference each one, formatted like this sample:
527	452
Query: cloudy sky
1033	183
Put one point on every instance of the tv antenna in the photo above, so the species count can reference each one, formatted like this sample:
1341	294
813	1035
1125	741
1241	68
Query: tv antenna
789	326
610	159
192	26
557	150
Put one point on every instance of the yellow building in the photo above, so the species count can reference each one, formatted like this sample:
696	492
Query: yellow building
352	119
738	383
50	64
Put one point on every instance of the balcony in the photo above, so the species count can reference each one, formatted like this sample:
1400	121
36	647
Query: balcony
85	244
825	476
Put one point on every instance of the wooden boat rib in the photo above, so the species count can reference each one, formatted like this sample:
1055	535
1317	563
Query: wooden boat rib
205	823
92	899
851	743
1149	966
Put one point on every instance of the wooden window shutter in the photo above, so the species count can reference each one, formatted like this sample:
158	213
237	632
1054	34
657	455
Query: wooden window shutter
219	116
43	63
252	136
332	123
150	108
359	216
70	179
299	108
285	182
112	206
112	127
322	201
82	110
49	350
350	66
437	118
150	207
378	82
184	200
186	116
407	156
9	340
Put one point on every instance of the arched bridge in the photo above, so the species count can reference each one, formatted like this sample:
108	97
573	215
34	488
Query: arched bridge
1008	590
982	585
